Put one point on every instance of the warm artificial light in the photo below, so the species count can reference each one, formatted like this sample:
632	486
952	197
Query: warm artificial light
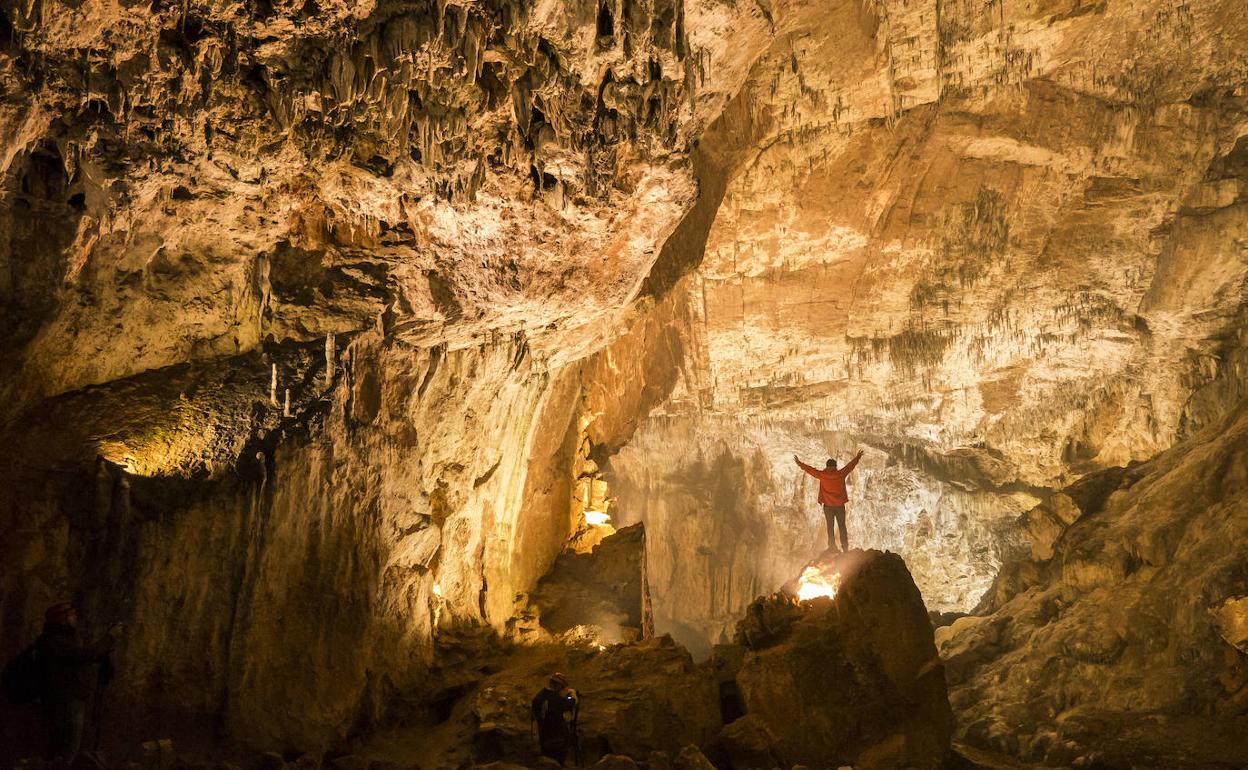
814	583
597	518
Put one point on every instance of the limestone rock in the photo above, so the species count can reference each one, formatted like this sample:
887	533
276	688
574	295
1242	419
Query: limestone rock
941	270
659	760
853	679
605	589
615	762
312	315
1232	619
746	743
635	699
690	758
1125	643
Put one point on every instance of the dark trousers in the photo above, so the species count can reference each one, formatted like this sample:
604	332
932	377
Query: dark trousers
555	748
65	721
836	514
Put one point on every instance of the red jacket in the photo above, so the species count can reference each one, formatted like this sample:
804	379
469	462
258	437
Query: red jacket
831	481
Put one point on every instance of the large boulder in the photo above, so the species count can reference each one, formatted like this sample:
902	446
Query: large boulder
604	589
852	679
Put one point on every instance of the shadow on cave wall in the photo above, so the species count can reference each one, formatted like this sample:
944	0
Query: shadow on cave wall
42	205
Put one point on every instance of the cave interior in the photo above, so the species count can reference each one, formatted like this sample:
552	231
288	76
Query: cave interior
369	362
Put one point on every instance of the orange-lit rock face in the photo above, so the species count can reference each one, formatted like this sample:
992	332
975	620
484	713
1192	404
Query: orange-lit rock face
469	197
1133	612
214	175
998	246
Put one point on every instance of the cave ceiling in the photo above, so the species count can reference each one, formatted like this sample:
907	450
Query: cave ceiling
186	181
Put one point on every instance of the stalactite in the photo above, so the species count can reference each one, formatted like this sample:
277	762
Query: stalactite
329	359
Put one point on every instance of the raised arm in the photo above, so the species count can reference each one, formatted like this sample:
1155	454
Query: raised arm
849	466
806	467
81	652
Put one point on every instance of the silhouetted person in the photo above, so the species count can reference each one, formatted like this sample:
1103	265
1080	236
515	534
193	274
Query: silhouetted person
832	494
69	670
554	710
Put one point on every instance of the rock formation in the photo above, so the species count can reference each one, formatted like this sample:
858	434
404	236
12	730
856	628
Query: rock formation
1000	246
326	328
1120	643
849	680
604	591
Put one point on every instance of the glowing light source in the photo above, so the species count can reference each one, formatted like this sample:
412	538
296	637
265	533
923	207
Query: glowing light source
816	582
597	518
437	590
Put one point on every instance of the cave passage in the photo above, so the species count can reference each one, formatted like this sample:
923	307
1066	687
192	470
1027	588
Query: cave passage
398	386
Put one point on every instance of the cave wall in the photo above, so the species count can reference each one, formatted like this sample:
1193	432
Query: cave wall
486	246
997	245
731	517
320	553
1114	640
301	564
301	302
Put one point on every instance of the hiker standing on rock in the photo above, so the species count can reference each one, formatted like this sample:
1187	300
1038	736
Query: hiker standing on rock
555	710
832	494
69	669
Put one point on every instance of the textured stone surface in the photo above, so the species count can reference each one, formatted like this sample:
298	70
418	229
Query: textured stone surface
852	680
635	699
512	262
1123	641
218	173
605	589
1000	245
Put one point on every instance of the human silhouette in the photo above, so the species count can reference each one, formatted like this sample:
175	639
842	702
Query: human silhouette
832	494
69	673
554	710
